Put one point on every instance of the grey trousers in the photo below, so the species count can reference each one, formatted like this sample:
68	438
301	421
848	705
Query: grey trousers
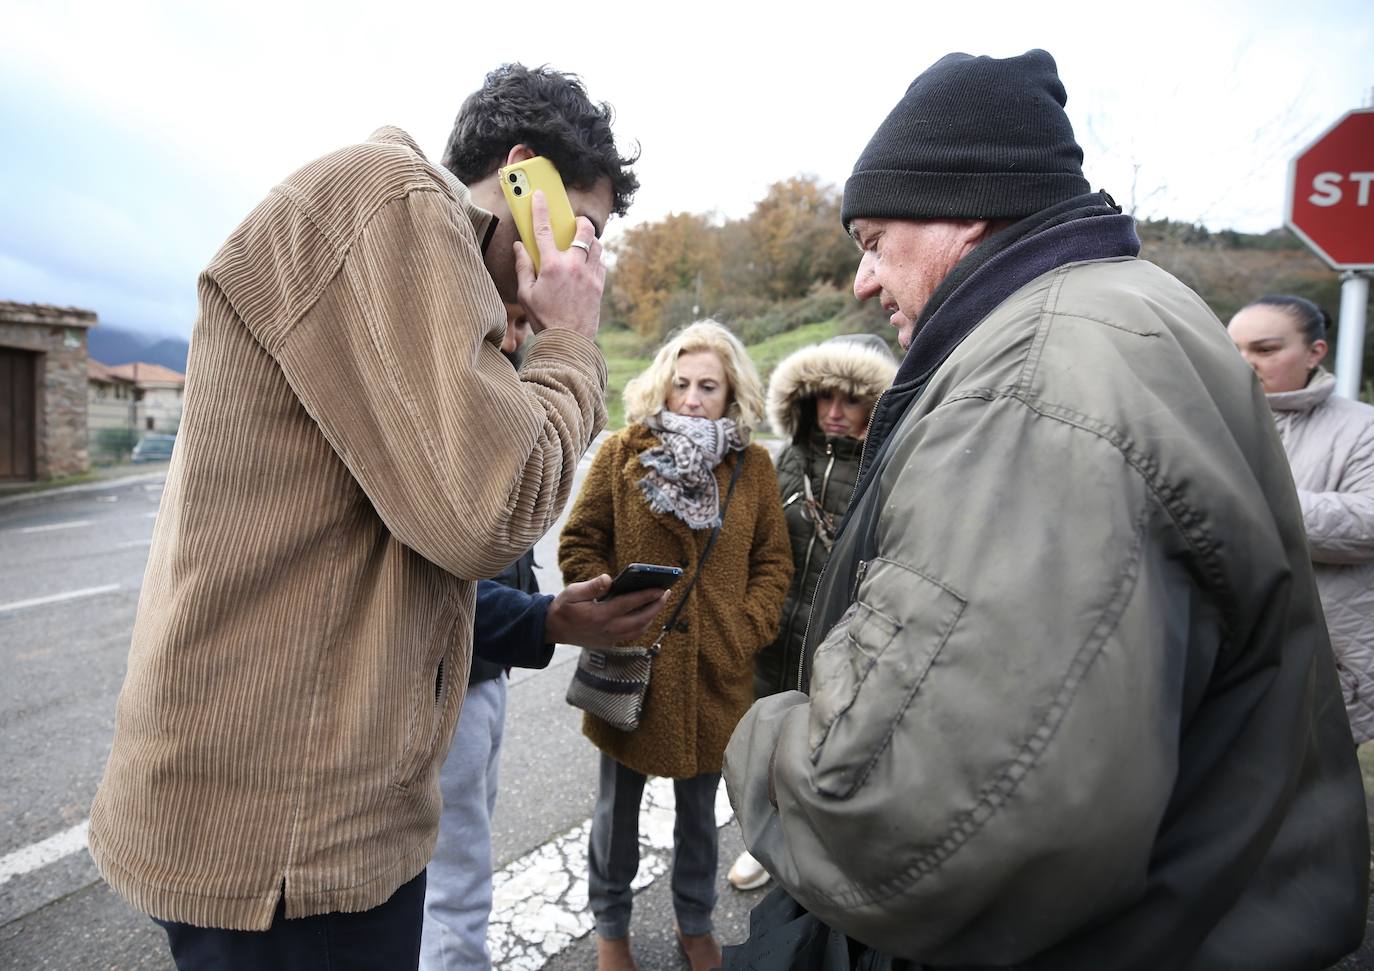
458	895
613	857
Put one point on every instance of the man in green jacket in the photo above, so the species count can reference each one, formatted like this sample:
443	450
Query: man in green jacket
1071	700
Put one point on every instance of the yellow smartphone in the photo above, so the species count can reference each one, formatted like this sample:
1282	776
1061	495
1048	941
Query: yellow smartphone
518	182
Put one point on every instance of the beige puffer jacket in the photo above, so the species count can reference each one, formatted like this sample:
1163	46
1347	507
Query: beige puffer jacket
1330	446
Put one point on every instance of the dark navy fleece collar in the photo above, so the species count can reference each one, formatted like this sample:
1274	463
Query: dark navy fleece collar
1084	228
1088	227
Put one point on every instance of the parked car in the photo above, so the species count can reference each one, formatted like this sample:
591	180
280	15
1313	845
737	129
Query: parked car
154	448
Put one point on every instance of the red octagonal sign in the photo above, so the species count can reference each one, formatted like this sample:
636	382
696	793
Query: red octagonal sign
1331	193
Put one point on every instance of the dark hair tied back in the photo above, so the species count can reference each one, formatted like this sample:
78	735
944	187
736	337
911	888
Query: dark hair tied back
1311	319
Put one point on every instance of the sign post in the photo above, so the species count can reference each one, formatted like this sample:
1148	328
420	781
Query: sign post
1330	206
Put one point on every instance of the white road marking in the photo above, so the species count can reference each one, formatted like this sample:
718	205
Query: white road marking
131	543
59	597
151	515
539	902
70	524
47	851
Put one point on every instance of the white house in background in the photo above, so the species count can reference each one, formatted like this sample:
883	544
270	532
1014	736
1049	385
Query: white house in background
131	400
111	402
157	394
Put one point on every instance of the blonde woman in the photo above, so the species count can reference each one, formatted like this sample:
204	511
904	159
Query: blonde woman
654	494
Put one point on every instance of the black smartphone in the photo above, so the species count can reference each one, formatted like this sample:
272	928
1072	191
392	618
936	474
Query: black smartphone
642	576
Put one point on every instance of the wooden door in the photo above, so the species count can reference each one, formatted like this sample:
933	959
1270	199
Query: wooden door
17	411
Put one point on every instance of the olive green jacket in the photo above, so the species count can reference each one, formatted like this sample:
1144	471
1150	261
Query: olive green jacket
1073	704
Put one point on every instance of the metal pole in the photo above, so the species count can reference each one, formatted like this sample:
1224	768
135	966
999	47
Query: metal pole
1350	333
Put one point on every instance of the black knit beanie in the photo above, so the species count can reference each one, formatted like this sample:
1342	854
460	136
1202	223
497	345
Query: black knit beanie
972	138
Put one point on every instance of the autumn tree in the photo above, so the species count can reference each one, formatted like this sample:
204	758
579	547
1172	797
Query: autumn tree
795	240
686	265
677	256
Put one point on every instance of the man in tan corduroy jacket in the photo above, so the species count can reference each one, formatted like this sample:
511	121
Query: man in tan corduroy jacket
354	453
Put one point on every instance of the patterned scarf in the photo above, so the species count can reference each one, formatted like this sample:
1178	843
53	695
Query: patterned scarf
681	477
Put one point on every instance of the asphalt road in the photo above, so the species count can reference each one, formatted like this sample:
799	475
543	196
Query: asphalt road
63	661
63	664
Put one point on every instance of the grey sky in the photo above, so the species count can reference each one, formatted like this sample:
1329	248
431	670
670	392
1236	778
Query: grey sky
138	134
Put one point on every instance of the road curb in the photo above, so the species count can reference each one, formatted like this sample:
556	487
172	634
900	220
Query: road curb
39	494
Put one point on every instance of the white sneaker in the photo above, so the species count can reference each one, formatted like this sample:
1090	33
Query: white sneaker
747	873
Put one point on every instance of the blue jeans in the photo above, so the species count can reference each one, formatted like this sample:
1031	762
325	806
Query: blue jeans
458	897
613	854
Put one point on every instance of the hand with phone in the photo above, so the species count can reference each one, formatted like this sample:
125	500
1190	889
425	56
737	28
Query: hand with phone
643	576
579	615
558	286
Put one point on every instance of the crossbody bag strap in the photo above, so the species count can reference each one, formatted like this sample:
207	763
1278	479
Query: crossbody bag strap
701	563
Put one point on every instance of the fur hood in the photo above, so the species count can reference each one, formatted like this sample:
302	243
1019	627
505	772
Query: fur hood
858	364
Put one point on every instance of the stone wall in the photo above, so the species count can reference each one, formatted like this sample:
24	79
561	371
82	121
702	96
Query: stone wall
58	335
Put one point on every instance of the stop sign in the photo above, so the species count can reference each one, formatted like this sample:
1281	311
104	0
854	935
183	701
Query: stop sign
1331	193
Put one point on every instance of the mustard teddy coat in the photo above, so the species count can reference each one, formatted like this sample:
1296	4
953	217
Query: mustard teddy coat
702	682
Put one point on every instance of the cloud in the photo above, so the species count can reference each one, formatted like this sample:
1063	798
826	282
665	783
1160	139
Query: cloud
100	214
138	134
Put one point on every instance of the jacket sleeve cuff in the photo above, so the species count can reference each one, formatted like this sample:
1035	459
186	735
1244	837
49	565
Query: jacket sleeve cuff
509	627
561	346
750	758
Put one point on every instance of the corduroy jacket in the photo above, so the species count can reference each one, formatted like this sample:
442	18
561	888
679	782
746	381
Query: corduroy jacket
354	452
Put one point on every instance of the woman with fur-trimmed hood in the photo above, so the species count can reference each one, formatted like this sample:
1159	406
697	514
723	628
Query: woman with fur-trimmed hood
819	399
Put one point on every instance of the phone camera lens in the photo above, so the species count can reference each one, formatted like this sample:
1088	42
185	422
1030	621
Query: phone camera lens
517	190
513	177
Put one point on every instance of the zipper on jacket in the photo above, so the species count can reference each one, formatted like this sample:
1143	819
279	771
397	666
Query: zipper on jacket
860	572
863	450
806	563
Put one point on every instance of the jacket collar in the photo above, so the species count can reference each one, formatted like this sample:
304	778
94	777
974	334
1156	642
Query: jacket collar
1319	388
843	447
482	221
1001	265
1089	227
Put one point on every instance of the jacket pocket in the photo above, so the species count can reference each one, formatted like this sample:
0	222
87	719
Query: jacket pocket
433	696
870	666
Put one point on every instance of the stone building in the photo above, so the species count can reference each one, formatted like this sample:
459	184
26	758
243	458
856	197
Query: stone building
43	391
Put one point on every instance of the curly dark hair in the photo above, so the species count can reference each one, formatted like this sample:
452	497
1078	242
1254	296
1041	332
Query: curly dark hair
550	112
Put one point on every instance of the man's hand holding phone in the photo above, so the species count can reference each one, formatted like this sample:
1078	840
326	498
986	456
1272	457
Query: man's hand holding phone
567	291
578	616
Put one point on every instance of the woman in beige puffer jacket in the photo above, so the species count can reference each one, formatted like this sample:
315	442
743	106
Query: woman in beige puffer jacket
1330	446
